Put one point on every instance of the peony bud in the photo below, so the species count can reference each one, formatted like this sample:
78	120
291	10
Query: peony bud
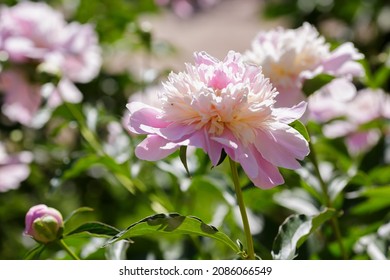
44	224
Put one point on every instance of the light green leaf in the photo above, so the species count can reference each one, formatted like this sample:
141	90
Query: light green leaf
174	223
77	211
377	199
80	166
314	84
96	229
300	127
294	232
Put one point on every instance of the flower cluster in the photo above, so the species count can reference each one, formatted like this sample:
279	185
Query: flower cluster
290	56
35	39
222	105
350	118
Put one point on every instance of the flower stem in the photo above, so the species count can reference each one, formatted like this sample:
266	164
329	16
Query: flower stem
62	243
334	221
244	216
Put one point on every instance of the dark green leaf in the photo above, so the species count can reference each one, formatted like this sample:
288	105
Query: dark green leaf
294	232
381	77
96	229
183	158
312	85
222	158
35	252
300	127
174	224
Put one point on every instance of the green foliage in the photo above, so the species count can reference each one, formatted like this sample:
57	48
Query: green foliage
174	224
295	231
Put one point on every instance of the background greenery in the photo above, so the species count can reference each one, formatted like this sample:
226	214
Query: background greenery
69	172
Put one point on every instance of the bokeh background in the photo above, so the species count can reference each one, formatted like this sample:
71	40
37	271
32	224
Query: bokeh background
142	41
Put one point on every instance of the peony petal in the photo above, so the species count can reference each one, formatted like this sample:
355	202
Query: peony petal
344	53
175	132
22	99
341	89
12	175
201	139
288	115
282	147
289	96
204	58
155	148
144	118
338	129
268	175
239	153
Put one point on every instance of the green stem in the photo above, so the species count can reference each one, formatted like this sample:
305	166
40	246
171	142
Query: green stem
334	221
244	216
62	243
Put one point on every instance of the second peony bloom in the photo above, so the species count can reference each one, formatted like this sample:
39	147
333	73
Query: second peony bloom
222	105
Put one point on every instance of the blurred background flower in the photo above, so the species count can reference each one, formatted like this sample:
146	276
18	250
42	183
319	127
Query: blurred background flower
14	168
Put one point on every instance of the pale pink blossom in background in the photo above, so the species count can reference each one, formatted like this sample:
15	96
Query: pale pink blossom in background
290	56
187	8
29	31
368	105
330	101
13	169
35	35
222	105
22	98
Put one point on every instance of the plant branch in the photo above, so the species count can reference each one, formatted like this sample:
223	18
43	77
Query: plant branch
244	216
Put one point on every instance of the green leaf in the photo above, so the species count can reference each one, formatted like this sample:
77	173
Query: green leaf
301	128
96	229
377	199
86	162
183	158
80	166
312	85
294	232
35	252
381	77
77	211
380	175
222	158
174	223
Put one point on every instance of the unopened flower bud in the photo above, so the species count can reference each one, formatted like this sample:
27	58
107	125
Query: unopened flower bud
44	224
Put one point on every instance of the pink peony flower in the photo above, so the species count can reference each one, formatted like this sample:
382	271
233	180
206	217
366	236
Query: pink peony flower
290	56
69	51
13	169
43	223
222	105
29	31
368	105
